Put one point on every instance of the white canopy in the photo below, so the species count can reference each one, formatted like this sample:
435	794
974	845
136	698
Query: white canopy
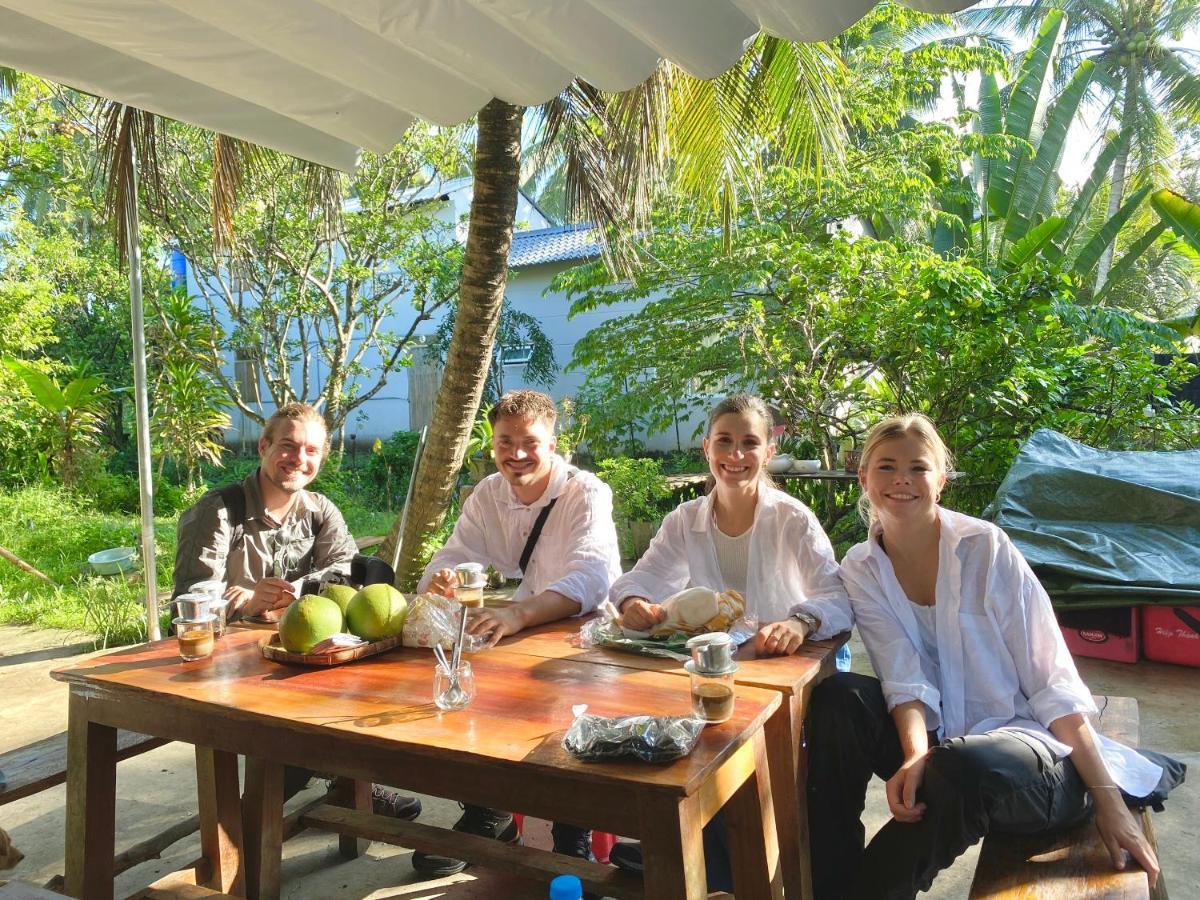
318	79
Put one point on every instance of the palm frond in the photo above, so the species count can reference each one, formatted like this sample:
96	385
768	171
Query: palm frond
325	191
127	154
8	80
232	161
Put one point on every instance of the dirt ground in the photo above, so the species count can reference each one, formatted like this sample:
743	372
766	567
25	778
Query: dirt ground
156	790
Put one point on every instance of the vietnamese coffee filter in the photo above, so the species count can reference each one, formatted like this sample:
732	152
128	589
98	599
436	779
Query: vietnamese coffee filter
712	653
193	607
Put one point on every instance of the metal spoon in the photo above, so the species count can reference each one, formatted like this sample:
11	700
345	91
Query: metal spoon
455	695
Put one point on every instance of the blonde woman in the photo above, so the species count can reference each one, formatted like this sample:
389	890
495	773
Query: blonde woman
978	718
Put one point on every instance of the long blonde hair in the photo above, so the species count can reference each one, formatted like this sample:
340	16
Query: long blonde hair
917	425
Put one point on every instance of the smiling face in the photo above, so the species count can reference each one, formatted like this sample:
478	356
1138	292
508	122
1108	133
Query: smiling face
524	449
902	478
737	448
291	459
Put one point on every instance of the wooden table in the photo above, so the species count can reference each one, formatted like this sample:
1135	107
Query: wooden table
373	721
793	677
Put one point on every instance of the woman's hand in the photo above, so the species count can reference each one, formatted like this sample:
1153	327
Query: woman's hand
780	638
639	614
902	790
1121	832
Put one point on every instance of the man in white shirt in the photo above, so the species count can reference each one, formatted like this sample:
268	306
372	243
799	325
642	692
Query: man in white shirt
547	523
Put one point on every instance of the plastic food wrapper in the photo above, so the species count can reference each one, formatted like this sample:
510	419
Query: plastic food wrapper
699	610
433	619
669	643
655	739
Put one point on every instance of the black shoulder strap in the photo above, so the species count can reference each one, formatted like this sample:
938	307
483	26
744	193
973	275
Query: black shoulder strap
234	498
536	531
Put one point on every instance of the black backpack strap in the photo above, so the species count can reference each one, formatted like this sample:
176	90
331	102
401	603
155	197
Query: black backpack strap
234	498
536	532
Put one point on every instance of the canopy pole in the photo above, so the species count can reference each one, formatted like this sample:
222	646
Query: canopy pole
141	402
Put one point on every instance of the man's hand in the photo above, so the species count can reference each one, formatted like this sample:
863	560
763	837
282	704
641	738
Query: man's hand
269	594
1121	832
902	790
494	623
780	638
639	614
443	582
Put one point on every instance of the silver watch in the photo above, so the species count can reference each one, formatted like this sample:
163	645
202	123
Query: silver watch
808	619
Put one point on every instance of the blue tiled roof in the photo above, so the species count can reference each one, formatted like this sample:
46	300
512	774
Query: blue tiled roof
547	245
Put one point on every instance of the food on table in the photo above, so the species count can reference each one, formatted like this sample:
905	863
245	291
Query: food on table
377	611
700	609
308	621
341	594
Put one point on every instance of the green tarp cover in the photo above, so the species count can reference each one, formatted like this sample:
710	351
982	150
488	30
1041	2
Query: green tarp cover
1105	527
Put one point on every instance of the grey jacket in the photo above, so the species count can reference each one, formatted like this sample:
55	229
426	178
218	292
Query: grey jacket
206	549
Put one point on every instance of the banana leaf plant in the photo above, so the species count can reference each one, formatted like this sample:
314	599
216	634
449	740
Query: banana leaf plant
1182	216
1014	182
74	411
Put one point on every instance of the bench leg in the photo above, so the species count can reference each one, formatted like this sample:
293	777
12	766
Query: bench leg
782	733
750	821
673	849
220	819
91	804
262	827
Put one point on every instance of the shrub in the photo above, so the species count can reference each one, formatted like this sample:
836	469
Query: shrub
390	465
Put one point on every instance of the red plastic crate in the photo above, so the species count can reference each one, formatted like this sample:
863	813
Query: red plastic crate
1171	634
1102	633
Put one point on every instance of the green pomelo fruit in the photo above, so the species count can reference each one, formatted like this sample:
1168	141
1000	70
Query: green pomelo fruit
308	621
377	611
341	594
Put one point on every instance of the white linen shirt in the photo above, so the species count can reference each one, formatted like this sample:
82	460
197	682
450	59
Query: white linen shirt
1003	662
791	565
576	555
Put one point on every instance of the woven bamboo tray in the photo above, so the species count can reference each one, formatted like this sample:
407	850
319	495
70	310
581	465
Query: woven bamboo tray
272	649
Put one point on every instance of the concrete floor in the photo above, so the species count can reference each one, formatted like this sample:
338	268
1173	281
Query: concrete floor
155	790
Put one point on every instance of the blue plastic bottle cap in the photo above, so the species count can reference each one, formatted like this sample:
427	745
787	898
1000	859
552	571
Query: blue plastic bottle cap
566	887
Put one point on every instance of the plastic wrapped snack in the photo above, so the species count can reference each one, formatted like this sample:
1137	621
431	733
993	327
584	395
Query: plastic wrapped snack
655	739
433	619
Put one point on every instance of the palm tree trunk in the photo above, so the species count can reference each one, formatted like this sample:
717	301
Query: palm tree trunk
1120	165
480	295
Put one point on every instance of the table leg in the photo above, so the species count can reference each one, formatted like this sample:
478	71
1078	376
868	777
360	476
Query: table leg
753	846
220	819
672	849
792	829
91	803
262	827
354	795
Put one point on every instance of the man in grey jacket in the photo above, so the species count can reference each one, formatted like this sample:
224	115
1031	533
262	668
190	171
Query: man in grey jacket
264	537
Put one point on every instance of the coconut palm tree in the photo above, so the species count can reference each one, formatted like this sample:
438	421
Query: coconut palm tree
1147	77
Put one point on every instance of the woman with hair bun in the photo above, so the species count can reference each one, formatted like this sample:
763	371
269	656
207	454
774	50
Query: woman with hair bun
978	719
745	535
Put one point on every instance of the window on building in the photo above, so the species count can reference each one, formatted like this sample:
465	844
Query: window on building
516	355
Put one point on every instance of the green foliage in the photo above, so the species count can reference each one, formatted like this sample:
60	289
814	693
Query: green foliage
71	412
638	488
389	467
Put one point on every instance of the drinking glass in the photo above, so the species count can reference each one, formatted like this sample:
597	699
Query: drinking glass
445	695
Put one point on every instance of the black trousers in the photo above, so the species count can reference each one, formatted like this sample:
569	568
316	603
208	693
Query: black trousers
972	785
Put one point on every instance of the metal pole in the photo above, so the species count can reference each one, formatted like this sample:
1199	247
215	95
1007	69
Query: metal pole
408	496
141	403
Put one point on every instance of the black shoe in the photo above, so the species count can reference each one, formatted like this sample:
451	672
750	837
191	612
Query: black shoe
627	856
479	820
385	802
572	841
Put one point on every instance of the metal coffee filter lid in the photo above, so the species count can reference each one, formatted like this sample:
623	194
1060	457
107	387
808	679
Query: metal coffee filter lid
470	575
712	652
193	607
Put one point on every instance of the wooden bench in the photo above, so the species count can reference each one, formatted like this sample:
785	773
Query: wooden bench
1071	864
43	764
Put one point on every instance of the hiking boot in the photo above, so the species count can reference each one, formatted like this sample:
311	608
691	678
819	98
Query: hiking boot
479	820
390	803
627	855
572	841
